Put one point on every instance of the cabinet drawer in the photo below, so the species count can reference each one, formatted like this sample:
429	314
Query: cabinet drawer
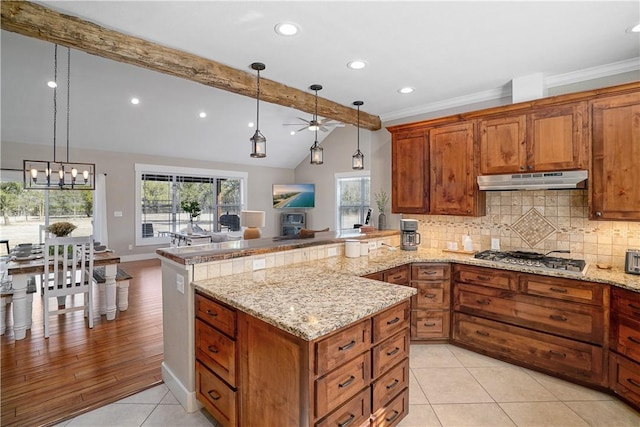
624	378
390	384
333	351
429	271
430	295
216	396
576	321
430	324
217	351
485	277
564	289
390	321
626	302
551	353
217	315
393	413
340	385
354	413
398	275
625	336
389	353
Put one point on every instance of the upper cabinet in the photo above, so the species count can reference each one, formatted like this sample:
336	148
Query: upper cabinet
410	172
615	165
546	139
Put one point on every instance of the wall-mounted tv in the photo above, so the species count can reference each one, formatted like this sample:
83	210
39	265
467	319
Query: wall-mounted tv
293	196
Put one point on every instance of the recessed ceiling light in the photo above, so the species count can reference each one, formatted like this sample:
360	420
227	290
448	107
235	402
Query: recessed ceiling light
203	114
251	124
135	101
293	132
406	90
52	84
286	29
634	29
357	64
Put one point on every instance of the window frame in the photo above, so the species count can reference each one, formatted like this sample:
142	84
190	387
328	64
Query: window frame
342	175
142	169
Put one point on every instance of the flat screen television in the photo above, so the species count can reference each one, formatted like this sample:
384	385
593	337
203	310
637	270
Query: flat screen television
294	196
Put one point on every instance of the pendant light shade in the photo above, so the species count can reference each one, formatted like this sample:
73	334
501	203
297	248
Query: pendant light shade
316	150
357	160
258	141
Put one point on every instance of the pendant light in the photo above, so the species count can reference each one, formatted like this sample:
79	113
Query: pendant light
316	150
258	141
54	174
357	160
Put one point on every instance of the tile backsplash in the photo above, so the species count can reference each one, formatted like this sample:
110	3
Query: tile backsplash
539	221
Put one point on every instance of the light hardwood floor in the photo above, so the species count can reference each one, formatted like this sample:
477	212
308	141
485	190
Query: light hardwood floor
78	369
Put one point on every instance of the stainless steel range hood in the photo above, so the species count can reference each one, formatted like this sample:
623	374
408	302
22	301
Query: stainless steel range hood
534	181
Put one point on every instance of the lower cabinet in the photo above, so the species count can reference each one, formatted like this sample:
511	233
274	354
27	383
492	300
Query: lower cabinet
624	340
261	375
430	315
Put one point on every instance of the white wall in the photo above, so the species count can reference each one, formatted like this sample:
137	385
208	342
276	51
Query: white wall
120	170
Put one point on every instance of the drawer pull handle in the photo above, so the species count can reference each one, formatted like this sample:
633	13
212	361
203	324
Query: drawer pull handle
217	395
483	333
392	417
211	313
347	383
347	346
349	421
558	353
483	278
633	306
431	296
558	317
391	322
559	290
634	340
430	324
397	276
394	351
634	382
393	384
430	272
213	349
483	301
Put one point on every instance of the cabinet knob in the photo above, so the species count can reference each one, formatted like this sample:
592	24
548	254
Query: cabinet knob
469	211
529	167
598	214
521	168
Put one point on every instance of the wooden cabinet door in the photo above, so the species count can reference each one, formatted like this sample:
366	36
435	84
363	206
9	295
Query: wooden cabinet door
453	186
409	173
502	145
556	139
615	170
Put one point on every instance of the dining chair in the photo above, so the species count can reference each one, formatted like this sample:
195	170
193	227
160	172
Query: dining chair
70	261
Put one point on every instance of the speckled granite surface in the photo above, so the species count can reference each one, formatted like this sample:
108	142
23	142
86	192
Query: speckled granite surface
306	300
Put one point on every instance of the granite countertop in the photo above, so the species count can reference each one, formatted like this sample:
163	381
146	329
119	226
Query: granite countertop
305	300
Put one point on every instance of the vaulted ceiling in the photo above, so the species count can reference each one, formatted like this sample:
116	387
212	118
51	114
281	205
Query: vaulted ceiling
449	52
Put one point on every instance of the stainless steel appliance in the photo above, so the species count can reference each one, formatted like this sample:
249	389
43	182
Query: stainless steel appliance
534	181
410	238
536	260
632	261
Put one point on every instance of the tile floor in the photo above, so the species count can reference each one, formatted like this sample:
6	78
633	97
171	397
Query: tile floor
450	386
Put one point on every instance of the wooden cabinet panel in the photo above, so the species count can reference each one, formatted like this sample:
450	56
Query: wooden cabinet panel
430	295
557	138
626	302
390	321
341	384
410	172
454	190
561	356
216	315
485	276
624	376
430	324
355	412
615	176
217	397
425	271
393	413
217	351
390	384
502	144
625	336
398	275
390	352
564	289
335	350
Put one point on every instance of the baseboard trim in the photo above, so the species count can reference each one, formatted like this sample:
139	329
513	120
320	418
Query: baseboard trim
186	398
138	257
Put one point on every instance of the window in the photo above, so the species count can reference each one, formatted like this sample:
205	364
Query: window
353	198
161	189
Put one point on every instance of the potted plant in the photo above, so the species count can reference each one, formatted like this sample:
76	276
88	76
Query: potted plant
61	229
381	202
193	209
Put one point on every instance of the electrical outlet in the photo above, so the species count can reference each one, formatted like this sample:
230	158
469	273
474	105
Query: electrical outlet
130	247
180	283
259	264
332	251
373	246
380	243
495	244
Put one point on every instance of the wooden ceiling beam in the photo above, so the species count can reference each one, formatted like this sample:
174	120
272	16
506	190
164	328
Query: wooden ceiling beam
33	20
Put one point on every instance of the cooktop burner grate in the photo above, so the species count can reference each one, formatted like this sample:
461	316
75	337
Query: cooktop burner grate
535	260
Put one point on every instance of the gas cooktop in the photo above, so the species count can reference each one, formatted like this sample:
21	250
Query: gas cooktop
535	260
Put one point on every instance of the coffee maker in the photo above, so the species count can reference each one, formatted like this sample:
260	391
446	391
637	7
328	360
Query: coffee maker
410	238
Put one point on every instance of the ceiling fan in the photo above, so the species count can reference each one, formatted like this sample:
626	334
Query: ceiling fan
314	124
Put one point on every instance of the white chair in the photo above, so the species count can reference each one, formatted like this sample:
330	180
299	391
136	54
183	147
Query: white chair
70	261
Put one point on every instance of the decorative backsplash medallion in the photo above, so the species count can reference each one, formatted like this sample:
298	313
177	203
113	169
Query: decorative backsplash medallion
533	227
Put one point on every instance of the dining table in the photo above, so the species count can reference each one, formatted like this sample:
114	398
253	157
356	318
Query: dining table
21	270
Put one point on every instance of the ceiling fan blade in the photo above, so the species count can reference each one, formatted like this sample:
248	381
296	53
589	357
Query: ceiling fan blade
303	128
304	120
323	129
